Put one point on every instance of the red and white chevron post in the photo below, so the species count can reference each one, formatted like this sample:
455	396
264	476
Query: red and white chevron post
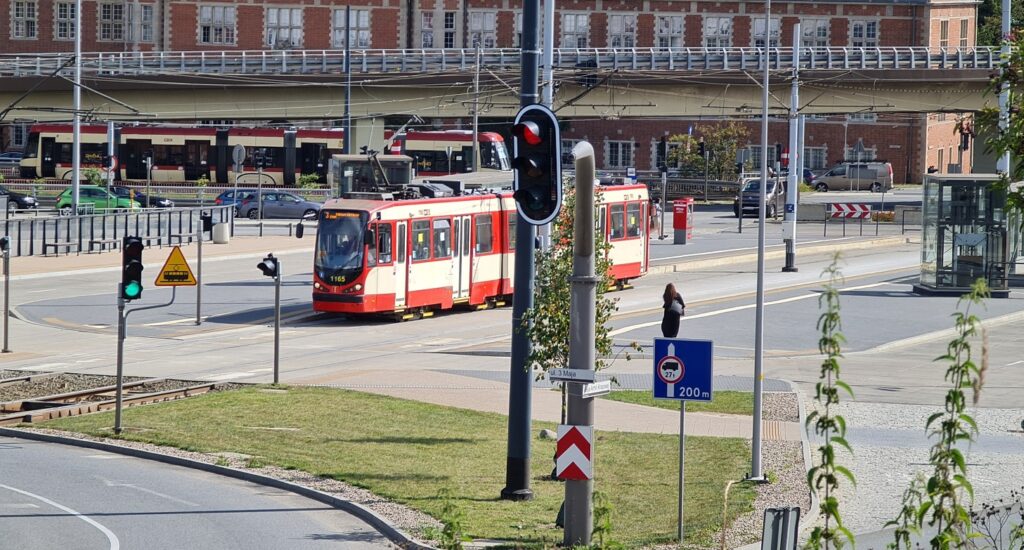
573	458
850	210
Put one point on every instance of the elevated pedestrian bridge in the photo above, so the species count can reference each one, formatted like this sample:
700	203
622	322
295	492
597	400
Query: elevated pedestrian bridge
611	82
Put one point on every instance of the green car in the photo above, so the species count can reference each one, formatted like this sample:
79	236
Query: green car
98	197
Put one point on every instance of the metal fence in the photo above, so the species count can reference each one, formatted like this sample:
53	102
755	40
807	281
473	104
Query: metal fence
99	232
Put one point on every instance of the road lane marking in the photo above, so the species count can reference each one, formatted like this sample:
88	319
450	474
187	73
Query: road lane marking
631	328
1014	363
111	537
43	366
176	321
110	483
694	255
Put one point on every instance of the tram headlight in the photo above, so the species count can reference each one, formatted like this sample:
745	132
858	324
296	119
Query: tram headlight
357	287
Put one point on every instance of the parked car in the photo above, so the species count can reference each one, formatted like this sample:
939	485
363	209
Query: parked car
856	176
278	204
18	201
10	158
140	197
809	177
750	192
97	196
228	197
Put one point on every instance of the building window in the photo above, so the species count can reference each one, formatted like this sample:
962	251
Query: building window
622	31
814	33
64	21
865	154
862	117
482	25
942	160
964	29
23	21
944	33
427	29
717	32
19	135
620	154
112	22
358	29
864	34
144	21
816	158
567	159
575	30
449	29
217	25
669	30
758	37
284	28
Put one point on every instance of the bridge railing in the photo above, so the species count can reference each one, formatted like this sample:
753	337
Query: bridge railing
320	62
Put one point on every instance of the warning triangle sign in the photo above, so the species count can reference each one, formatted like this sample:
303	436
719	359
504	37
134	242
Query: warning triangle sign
176	271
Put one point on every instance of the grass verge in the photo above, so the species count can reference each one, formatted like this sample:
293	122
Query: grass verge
410	452
724	402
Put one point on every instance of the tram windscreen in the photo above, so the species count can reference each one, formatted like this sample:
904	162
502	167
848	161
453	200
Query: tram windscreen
494	156
32	146
339	246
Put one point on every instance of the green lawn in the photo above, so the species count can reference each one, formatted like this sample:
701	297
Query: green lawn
725	402
409	451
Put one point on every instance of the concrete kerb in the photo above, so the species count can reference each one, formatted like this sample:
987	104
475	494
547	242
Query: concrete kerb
395	535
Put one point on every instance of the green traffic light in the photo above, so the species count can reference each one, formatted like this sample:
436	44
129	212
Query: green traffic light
132	290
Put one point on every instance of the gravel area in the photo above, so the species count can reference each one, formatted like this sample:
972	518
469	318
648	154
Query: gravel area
65	383
781	406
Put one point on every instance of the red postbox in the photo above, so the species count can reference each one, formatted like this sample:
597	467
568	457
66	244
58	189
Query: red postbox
682	220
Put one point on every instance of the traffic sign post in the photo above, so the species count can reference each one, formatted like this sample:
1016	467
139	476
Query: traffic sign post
683	372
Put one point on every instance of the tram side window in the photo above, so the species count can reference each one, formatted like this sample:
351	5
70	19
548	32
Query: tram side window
421	240
484	238
512	231
618	221
442	238
92	153
401	244
603	212
32	145
633	219
169	155
384	243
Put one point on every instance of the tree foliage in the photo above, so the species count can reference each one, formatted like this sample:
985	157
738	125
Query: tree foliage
990	20
721	141
1012	139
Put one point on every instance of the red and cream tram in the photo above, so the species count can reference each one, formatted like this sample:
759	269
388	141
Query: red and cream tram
412	257
444	152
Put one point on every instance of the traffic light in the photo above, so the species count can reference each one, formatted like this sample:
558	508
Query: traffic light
537	152
131	272
965	141
269	266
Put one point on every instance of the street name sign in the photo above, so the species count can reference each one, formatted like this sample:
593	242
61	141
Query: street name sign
573	453
683	369
571	375
176	271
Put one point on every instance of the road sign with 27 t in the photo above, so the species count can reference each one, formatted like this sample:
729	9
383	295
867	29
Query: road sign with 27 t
683	369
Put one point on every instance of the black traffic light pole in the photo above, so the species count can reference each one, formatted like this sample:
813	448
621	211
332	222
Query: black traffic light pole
517	463
271	267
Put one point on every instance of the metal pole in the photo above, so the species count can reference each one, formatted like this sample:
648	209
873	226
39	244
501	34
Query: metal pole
795	172
76	118
121	330
548	77
755	444
277	321
110	156
476	114
517	465
7	299
707	153
237	202
346	147
1003	162
664	204
199	270
149	177
259	191
682	465
579	518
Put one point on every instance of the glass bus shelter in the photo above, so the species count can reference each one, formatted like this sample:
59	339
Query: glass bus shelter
966	234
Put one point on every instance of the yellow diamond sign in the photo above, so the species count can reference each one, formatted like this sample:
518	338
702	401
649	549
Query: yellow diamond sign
176	271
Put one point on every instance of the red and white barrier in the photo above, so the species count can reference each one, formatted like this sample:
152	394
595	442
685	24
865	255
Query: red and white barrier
849	210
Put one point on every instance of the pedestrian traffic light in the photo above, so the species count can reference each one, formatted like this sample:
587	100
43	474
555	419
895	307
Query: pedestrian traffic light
131	272
537	157
269	266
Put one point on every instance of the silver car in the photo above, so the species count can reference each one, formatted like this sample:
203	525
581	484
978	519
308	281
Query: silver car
278	204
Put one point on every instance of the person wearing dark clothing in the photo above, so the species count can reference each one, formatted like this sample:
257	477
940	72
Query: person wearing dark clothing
674	309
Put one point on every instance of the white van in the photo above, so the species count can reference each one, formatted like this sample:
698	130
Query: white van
856	176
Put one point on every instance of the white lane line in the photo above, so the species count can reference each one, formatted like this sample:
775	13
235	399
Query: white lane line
110	483
114	543
694	255
43	366
175	321
630	328
1014	363
20	505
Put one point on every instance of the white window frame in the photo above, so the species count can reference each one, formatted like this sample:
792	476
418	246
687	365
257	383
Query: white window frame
868	31
273	27
483	27
815	158
219	21
862	117
567	159
615	154
721	37
757	33
449	30
144	22
110	26
64	23
575	30
944	33
519	31
965	32
622	30
19	135
358	28
869	154
24	20
426	29
815	33
668	30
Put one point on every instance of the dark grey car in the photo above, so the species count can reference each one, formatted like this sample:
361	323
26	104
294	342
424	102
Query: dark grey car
279	204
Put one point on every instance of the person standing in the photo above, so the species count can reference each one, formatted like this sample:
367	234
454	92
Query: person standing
674	309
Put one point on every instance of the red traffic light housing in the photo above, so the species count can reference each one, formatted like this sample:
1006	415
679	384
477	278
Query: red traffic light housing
537	157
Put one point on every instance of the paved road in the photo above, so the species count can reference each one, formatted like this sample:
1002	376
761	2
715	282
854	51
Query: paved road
56	496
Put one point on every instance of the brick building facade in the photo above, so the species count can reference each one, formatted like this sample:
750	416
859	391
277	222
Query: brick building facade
911	142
